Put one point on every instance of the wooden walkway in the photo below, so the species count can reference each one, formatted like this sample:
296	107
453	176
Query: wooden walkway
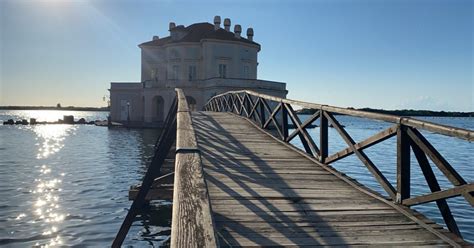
265	193
236	180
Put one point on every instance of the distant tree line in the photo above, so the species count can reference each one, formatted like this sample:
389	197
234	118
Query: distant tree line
403	112
58	106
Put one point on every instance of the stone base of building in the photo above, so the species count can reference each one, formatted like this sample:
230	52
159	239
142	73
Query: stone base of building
147	104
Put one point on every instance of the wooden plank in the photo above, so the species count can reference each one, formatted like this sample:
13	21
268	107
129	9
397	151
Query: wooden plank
321	229
239	240
377	234
335	201
304	208
257	176
264	195
312	217
192	224
266	171
258	164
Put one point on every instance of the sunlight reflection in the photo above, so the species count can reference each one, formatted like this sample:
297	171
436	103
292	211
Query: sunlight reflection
53	137
46	207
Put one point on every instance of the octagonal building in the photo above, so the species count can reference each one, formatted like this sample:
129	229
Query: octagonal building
203	59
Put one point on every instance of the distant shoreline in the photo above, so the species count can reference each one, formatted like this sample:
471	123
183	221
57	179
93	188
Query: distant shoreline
69	108
404	112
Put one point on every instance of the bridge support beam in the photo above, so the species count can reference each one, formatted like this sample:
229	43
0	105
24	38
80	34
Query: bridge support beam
323	137
403	164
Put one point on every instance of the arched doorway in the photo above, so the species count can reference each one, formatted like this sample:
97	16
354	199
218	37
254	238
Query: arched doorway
191	103
158	108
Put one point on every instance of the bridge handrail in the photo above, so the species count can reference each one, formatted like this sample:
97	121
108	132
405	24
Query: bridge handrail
407	121
255	107
162	147
192	224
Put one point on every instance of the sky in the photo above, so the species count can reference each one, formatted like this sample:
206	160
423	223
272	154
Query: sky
391	54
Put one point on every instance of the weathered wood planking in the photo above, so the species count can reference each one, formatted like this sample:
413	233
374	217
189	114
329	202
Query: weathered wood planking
192	224
273	113
263	193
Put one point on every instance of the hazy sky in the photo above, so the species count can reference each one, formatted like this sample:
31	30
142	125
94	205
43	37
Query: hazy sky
381	54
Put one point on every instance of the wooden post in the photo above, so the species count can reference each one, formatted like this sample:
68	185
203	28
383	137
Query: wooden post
403	164
284	121
262	114
323	137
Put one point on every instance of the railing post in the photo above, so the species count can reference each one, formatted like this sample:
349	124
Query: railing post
284	121
262	114
403	164
323	137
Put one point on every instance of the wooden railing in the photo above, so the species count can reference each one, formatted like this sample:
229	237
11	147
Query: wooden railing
192	224
273	112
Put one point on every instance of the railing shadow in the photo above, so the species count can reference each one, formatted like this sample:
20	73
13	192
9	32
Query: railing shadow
223	159
269	112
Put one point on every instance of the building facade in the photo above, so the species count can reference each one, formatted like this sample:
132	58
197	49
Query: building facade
203	59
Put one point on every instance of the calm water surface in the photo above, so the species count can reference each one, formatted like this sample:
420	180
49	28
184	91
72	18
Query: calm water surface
67	185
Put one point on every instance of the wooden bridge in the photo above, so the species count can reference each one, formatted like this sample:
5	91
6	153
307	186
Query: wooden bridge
235	180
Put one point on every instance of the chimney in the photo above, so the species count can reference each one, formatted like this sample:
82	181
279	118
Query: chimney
172	25
227	24
250	34
156	37
217	22
237	30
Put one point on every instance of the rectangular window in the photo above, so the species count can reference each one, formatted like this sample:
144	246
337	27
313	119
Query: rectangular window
222	70
192	73
175	72
246	71
154	74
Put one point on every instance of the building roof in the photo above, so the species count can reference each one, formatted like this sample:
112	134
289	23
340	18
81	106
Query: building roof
197	32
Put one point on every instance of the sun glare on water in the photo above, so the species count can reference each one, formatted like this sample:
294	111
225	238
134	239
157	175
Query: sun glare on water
47	212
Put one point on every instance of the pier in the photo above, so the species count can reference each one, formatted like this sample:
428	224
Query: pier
236	180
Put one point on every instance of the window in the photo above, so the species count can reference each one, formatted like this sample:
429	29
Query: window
246	71
192	73
222	70
175	72
154	74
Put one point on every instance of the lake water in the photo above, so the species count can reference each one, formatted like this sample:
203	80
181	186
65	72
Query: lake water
68	184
